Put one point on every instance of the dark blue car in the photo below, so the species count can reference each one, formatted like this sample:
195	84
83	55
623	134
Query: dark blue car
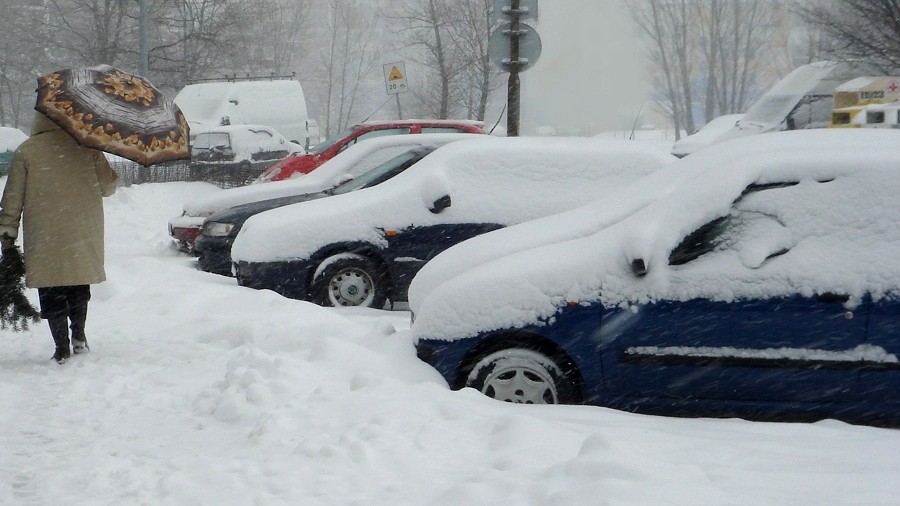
213	246
363	248
763	282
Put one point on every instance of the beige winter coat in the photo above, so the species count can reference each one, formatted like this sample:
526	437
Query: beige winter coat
56	187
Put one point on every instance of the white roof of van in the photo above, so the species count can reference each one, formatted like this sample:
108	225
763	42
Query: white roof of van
276	103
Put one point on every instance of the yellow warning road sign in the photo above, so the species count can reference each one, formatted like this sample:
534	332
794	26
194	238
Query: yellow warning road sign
395	77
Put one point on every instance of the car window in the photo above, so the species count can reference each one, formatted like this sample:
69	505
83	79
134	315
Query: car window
442	130
384	171
758	235
323	146
874	117
376	133
382	133
374	159
814	111
205	142
699	242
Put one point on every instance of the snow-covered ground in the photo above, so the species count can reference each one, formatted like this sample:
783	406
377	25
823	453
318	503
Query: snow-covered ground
198	391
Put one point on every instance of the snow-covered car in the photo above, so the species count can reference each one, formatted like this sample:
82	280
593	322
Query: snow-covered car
304	163
360	158
757	278
801	100
364	247
707	135
10	138
213	246
240	151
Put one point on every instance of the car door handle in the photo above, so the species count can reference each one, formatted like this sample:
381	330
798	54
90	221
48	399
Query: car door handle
832	298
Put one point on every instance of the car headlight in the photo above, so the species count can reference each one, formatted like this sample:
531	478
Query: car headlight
217	229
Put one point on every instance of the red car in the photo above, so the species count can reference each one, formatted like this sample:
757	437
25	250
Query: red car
327	149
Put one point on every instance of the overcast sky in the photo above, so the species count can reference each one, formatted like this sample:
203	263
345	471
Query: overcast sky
589	74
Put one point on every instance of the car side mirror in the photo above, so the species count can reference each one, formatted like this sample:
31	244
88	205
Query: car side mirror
638	267
440	204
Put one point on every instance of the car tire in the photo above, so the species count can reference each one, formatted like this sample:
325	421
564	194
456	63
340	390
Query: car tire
521	376
349	279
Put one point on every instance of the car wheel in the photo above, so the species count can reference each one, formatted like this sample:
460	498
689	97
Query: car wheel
520	376
349	280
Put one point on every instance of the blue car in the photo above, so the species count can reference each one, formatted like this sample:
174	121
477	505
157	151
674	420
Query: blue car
759	279
213	246
363	248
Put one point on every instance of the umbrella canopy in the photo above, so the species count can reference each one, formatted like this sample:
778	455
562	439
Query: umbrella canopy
113	111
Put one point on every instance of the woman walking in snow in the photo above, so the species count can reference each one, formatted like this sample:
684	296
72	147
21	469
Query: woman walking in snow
55	187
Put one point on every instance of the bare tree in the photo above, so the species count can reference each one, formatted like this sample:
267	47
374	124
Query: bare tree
90	31
426	24
734	34
865	30
348	56
469	33
193	39
272	33
22	59
668	26
708	53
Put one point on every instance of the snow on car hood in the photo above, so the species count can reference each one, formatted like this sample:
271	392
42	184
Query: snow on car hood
850	246
490	180
354	160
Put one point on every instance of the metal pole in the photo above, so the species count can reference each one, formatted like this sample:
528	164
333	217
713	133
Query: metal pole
144	57
512	95
399	111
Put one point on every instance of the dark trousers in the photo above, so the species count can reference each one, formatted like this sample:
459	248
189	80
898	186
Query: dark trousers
61	305
63	301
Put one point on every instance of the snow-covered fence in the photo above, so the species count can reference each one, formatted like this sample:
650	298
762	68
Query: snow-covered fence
133	173
179	170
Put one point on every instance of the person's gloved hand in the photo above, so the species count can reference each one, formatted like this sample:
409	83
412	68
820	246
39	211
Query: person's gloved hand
7	242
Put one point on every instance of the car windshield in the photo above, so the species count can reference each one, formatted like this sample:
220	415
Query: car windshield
384	171
771	109
208	141
323	146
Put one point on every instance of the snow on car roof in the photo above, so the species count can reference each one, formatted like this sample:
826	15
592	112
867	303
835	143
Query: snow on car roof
489	179
322	178
246	139
849	243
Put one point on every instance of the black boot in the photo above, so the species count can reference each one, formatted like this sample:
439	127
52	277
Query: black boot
78	317
59	329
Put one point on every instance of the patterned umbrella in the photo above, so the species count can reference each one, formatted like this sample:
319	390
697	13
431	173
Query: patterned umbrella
113	111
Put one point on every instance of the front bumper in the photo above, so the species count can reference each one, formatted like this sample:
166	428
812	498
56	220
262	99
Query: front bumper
214	254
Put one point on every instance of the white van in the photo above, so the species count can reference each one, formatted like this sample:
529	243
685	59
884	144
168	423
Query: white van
278	103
